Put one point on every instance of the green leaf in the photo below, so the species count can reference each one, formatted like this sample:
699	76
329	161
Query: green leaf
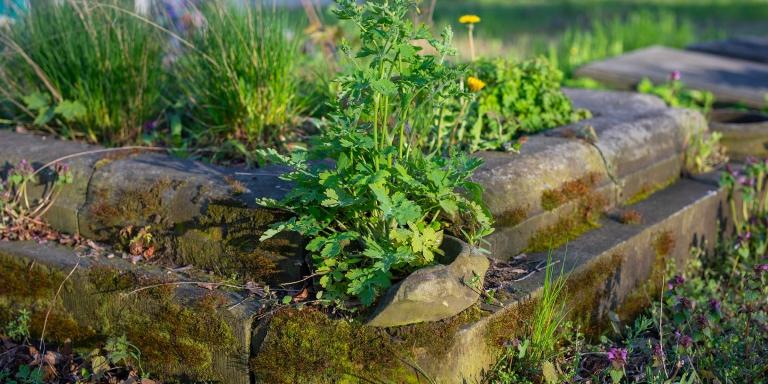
37	101
384	87
70	110
287	299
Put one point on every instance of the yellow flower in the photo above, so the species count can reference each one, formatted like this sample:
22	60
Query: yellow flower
475	84
469	19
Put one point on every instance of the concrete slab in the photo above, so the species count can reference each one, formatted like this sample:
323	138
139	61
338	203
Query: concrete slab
730	80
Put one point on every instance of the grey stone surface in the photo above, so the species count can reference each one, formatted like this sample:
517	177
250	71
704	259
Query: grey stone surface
638	149
752	48
730	80
437	292
745	133
202	215
96	311
38	150
610	269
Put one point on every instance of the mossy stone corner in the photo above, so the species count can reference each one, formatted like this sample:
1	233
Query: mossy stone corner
184	332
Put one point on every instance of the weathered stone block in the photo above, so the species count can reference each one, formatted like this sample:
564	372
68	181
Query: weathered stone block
745	133
183	331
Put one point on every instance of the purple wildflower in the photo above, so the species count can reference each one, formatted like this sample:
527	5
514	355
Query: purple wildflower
674	76
676	282
761	268
617	357
714	305
685	341
658	351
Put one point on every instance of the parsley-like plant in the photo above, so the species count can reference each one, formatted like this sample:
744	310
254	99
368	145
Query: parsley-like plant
379	208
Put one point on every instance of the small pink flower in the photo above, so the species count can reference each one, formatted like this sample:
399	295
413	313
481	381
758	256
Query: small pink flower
674	76
617	357
761	268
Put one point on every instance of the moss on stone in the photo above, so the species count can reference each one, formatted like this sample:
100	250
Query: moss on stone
649	190
130	207
583	217
178	336
568	191
226	240
512	217
589	290
641	297
510	324
307	346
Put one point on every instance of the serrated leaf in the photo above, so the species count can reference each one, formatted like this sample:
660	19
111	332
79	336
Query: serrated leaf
37	101
70	110
384	86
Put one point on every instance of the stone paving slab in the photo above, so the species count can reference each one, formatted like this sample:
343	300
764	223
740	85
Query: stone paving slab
183	330
730	80
752	48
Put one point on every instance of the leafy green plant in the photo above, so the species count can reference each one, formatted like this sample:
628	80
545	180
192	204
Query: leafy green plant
24	375
517	99
121	352
18	329
704	153
676	94
93	64
380	209
240	81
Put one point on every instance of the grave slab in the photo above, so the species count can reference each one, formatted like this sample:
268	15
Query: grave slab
730	80
752	48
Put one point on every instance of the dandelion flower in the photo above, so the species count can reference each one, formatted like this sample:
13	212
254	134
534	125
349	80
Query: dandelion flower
469	19
475	84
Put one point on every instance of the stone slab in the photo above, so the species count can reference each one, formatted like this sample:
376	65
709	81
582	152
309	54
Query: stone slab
752	48
39	150
615	268
637	149
730	80
205	339
201	215
744	133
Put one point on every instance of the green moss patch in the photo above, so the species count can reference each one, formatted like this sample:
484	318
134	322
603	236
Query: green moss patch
307	346
649	190
179	335
569	191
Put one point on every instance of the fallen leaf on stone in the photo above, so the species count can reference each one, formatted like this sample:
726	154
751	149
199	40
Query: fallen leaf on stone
301	296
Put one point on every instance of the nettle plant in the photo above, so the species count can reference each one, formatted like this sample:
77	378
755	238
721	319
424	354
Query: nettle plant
380	208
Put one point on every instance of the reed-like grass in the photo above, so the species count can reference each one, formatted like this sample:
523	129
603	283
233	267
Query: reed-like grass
96	53
240	81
